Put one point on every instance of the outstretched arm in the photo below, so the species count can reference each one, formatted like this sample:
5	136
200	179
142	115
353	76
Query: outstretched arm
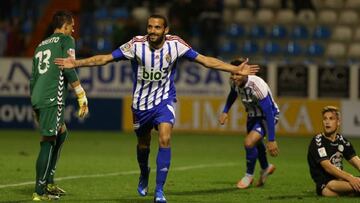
355	161
340	174
266	107
214	63
96	60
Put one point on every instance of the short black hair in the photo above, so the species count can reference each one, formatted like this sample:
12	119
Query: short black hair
60	18
161	17
237	61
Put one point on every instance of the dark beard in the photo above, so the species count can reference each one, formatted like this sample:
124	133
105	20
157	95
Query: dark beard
157	42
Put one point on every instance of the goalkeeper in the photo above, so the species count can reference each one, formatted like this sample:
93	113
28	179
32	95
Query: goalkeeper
48	89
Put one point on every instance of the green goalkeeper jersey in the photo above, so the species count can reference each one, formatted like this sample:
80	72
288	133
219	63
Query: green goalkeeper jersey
48	83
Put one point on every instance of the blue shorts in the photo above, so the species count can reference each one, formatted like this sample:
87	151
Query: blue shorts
257	124
144	121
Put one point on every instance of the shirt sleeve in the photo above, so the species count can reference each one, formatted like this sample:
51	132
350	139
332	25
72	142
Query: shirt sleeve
349	151
230	100
69	47
69	50
183	49
191	54
317	151
266	107
125	51
260	88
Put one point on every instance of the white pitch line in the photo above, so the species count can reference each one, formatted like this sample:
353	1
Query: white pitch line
183	168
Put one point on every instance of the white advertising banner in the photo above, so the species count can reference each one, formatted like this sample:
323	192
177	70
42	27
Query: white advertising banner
350	119
14	77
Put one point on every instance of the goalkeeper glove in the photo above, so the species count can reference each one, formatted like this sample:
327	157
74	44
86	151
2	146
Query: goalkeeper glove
82	101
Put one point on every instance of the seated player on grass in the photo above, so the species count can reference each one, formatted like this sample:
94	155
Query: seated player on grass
325	155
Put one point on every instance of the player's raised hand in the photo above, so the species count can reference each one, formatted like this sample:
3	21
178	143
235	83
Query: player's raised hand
272	148
69	62
223	118
247	69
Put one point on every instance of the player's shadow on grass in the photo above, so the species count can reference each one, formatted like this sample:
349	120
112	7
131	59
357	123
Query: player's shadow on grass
303	195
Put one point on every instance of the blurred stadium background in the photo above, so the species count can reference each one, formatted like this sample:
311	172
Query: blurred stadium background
309	52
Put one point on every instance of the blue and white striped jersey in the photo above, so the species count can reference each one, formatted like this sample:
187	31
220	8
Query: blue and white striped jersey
252	93
153	69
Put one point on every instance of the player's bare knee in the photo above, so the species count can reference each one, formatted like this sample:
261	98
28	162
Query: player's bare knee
164	143
327	192
249	143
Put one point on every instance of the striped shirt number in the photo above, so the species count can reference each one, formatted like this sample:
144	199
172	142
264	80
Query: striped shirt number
43	58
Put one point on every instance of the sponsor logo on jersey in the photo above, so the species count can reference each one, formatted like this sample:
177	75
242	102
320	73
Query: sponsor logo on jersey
322	152
152	74
336	160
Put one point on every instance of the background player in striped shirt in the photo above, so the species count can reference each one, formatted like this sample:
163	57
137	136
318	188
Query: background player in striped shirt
154	59
262	115
325	155
48	90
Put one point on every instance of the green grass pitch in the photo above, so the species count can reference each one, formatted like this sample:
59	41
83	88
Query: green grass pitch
102	167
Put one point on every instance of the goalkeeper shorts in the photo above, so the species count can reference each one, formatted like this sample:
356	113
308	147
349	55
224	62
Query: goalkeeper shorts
50	119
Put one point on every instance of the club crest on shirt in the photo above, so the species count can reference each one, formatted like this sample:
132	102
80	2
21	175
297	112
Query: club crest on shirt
168	58
126	47
322	152
341	148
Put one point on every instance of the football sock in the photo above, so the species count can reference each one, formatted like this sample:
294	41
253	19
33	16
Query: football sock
60	139
142	158
163	164
251	156
43	165
262	155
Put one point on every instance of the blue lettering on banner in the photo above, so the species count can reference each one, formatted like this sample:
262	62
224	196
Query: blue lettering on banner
193	74
213	76
110	74
126	74
16	113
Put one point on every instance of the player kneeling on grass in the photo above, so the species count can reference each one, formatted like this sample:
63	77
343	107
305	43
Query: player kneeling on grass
48	86
262	116
325	155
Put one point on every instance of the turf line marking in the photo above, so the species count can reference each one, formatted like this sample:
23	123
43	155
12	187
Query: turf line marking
183	168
